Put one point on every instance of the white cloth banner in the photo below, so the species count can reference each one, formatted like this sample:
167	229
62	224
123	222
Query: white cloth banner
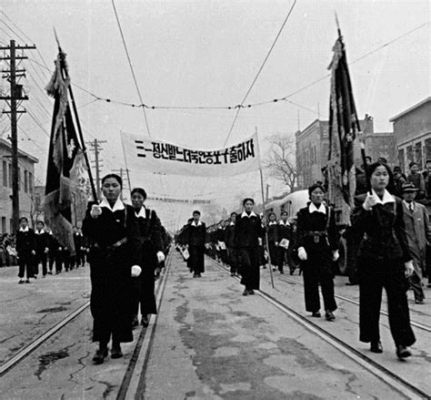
145	154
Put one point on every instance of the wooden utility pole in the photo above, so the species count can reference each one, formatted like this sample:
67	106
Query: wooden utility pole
15	96
121	172
95	148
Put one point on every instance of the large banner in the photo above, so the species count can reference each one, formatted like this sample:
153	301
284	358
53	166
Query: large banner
144	154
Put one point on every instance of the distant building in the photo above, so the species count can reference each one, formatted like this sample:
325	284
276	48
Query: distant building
312	146
412	132
39	199
26	185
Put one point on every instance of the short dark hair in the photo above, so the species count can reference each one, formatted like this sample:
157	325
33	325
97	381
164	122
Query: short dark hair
23	219
196	212
114	176
233	213
314	186
374	166
413	163
247	199
141	191
40	222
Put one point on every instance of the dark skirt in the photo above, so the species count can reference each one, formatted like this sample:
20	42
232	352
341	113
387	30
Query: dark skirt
196	259
248	258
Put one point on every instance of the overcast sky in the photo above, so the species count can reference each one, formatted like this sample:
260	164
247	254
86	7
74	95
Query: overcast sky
194	53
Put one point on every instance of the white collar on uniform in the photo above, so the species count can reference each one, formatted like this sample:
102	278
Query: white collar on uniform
312	208
273	223
23	229
244	214
142	213
196	224
387	197
118	206
39	233
284	223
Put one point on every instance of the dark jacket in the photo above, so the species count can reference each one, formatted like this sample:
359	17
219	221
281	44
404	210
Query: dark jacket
308	224
25	243
248	230
42	241
196	235
284	232
229	236
382	230
273	233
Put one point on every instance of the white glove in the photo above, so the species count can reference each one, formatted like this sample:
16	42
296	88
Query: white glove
409	268
302	254
160	257
335	255
369	203
95	211
136	271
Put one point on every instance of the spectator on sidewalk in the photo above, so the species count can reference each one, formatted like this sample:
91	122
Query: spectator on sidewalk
418	233
417	179
25	245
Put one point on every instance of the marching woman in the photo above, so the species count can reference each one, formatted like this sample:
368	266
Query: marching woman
273	241
318	249
248	236
284	246
150	236
384	261
113	230
195	239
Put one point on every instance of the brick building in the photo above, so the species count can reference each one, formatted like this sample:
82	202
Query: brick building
412	132
312	146
26	185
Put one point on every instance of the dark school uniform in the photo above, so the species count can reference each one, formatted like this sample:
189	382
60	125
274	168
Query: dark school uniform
273	242
248	231
150	239
317	234
115	248
284	233
382	253
232	251
195	238
25	246
42	248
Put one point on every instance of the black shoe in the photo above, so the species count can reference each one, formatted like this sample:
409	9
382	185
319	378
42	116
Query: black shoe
116	352
27	281
251	291
316	314
329	315
50	273
402	352
232	274
245	292
418	301
145	321
21	281
195	275
292	271
376	347
100	356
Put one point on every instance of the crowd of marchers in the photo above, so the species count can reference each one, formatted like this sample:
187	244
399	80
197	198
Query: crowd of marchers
38	250
390	225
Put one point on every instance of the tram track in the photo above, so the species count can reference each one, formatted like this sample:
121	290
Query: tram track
418	325
398	383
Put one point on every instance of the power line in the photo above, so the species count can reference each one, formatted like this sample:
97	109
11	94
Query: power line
131	66
259	72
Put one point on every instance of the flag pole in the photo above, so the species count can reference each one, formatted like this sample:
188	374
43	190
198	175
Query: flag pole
64	69
125	162
358	126
266	231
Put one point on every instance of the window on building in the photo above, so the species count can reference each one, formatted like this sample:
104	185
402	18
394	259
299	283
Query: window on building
10	174
401	160
5	173
3	225
409	154
427	149
418	154
30	182
25	181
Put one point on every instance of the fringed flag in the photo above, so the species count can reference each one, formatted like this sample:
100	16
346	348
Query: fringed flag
343	129
67	179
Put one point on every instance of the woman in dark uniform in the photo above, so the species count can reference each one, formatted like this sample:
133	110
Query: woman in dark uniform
384	261
195	239
150	235
114	232
248	236
284	243
273	241
317	249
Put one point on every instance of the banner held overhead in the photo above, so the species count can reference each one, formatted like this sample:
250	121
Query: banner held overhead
145	154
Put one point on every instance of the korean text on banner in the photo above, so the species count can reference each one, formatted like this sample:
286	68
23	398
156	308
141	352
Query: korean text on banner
145	154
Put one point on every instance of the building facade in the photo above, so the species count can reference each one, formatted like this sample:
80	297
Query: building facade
412	132
312	147
26	185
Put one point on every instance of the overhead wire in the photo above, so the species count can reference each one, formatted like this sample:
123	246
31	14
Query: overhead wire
131	66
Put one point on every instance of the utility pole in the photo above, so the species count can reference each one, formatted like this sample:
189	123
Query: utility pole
95	148
267	191
15	96
121	172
